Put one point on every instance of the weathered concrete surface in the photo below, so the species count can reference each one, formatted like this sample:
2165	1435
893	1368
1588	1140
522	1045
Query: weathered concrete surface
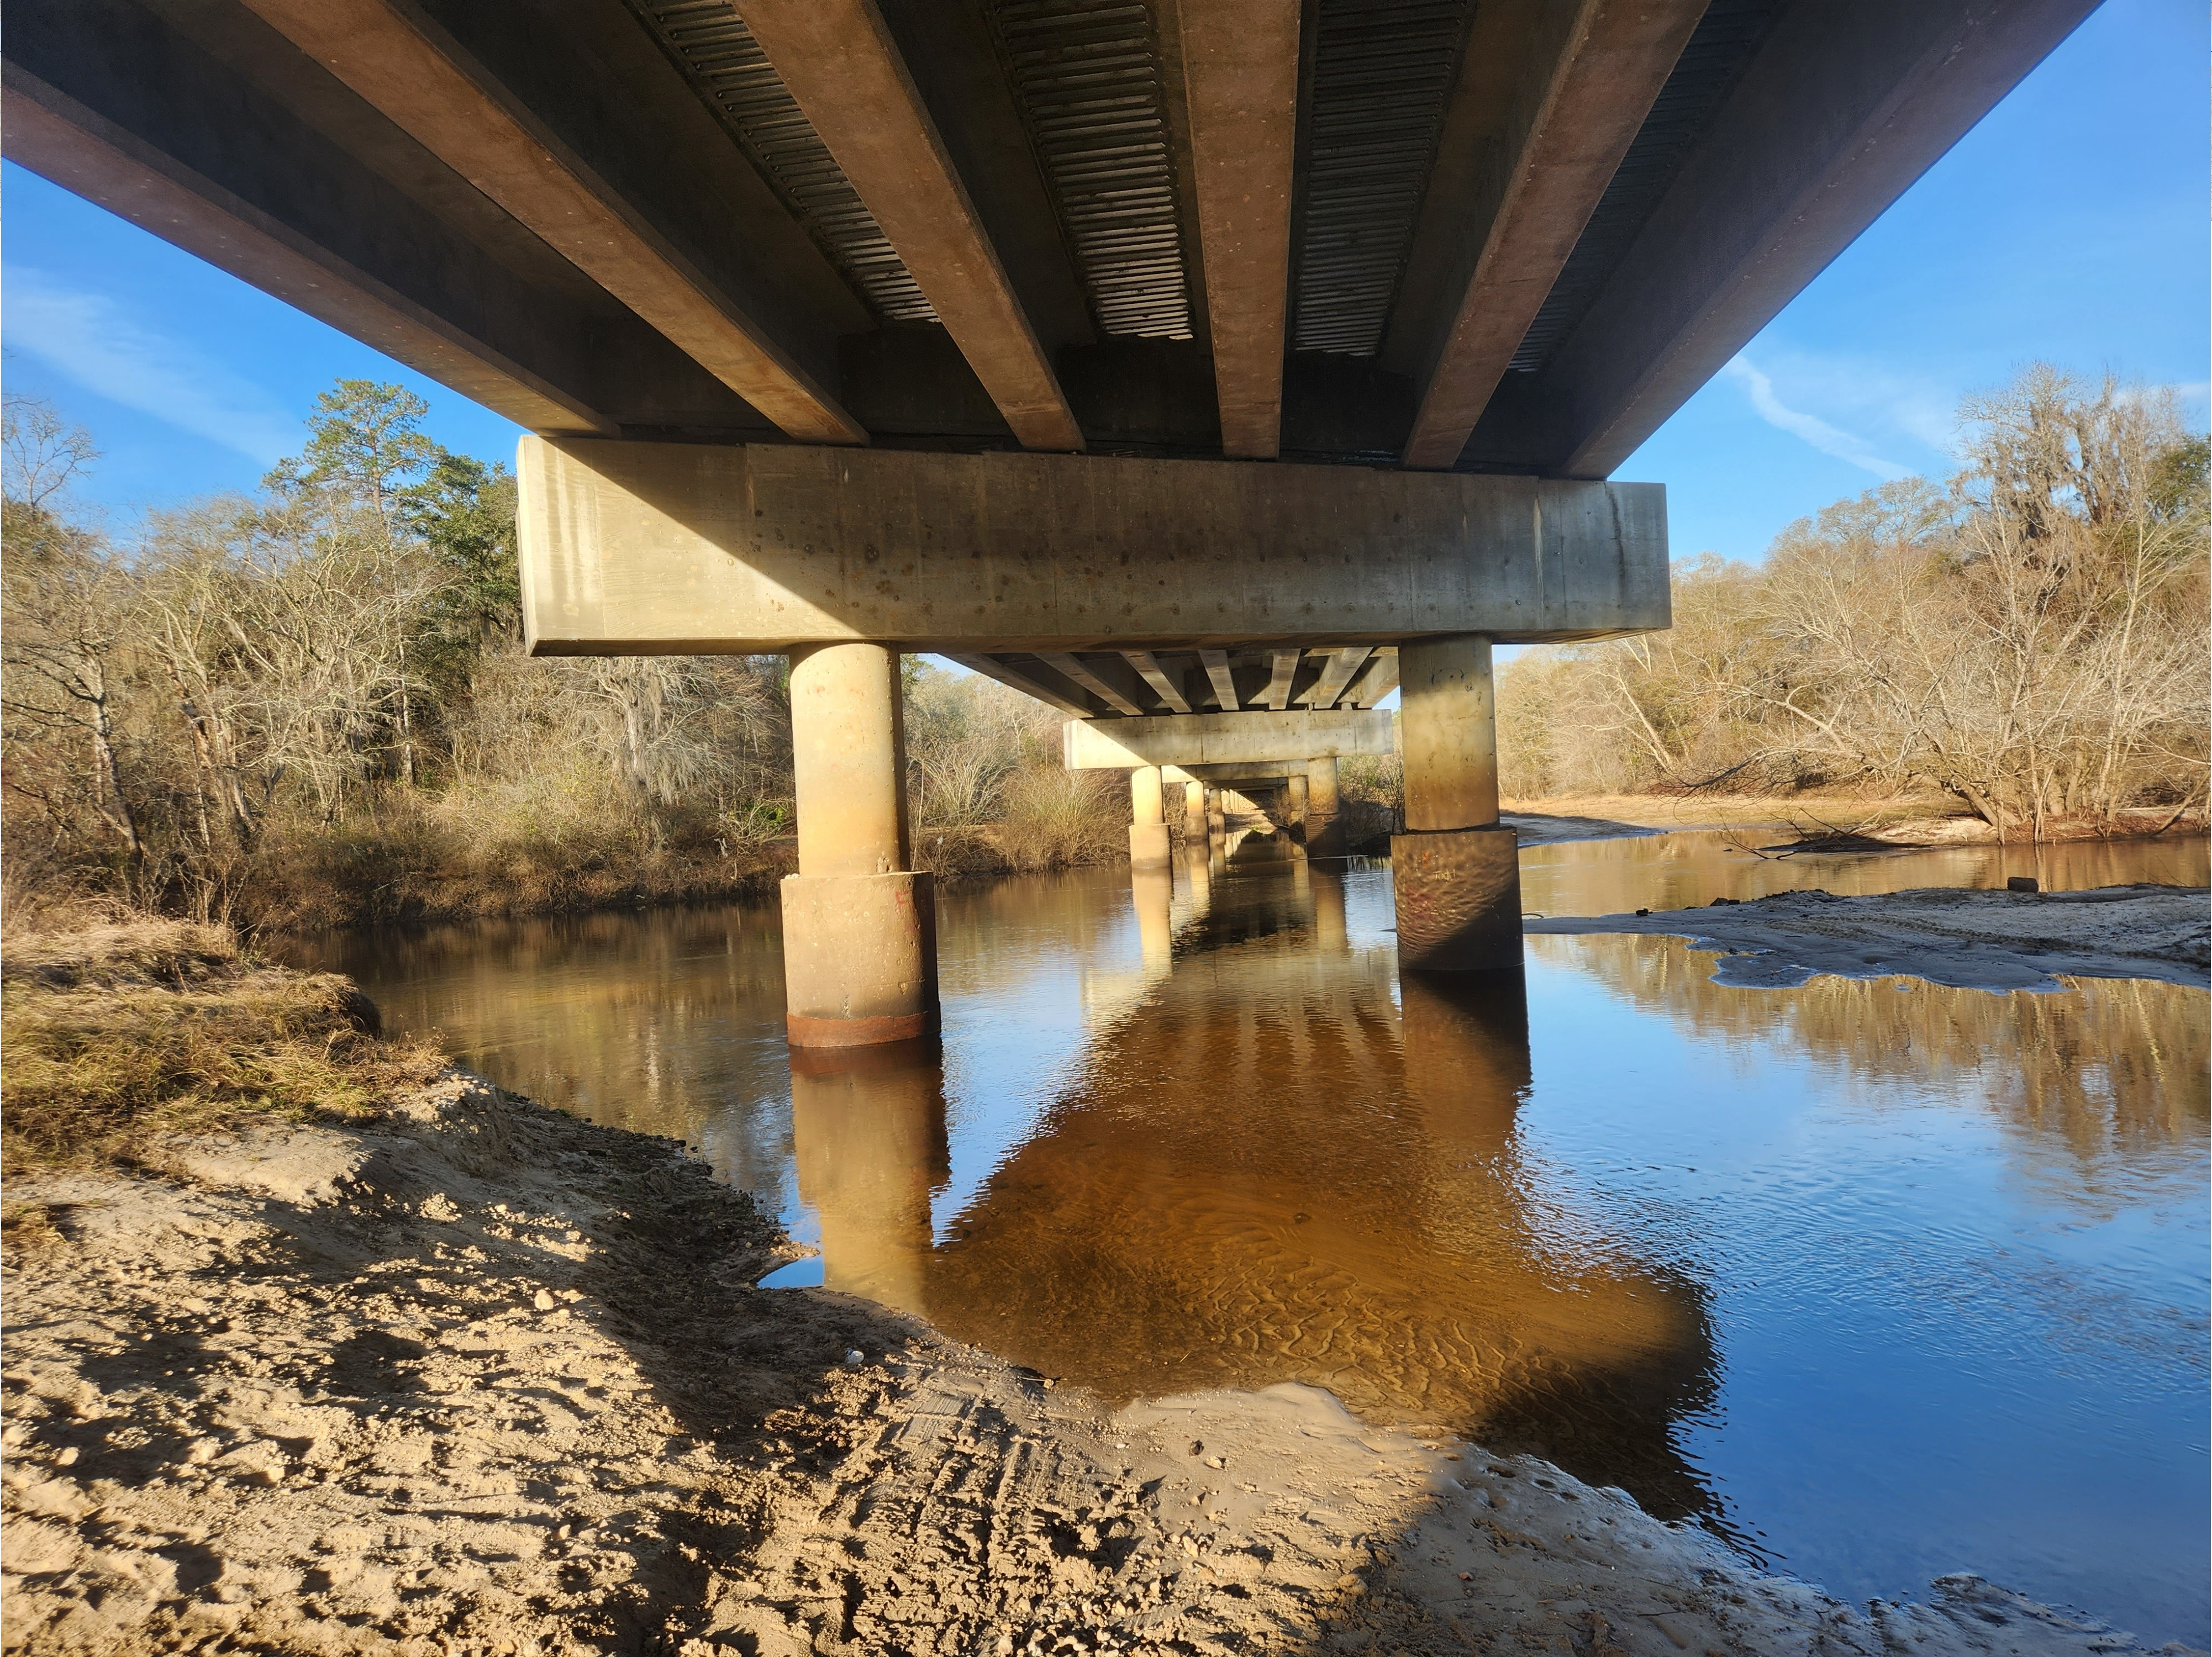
860	930
847	753
1572	100
1148	828
1459	899
428	85
1240	73
685	548
860	959
1450	734
840	65
1195	740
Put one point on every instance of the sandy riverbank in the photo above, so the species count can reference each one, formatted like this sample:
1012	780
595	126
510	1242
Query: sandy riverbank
479	1377
1904	822
1969	939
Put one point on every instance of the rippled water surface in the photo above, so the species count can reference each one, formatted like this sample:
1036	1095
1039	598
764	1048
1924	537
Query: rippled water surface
1880	1280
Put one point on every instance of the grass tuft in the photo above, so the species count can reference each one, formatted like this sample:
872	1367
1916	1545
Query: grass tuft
120	1034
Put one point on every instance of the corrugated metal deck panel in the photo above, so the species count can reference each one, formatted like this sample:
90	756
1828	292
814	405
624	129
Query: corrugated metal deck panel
1382	74
715	49
1087	75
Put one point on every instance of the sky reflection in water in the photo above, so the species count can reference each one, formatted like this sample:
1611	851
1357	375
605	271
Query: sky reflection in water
1878	1278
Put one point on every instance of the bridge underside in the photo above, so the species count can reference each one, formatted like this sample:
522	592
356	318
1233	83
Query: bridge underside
992	327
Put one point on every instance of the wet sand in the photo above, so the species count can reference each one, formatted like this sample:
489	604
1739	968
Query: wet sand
481	1377
1968	939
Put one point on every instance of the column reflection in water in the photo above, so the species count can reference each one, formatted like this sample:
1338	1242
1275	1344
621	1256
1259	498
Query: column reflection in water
1328	908
1343	1203
867	1128
1153	891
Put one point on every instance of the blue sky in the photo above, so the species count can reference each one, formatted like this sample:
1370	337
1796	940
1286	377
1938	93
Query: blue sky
2071	225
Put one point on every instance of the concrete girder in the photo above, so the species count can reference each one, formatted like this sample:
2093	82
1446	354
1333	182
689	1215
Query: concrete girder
1216	663
1194	741
1030	684
1328	689
1568	87
841	65
1380	679
1277	696
1840	112
1148	670
685	549
1240	79
429	86
1068	667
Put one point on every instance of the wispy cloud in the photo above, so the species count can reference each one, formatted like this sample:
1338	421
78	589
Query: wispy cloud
1829	439
96	342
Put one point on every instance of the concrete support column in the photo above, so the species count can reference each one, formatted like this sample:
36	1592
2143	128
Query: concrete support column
1295	812
1193	813
1324	833
860	926
1148	827
1456	869
1217	813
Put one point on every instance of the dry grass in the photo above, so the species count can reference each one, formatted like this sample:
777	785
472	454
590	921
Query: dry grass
1058	819
118	1033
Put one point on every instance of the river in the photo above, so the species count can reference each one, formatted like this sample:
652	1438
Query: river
1876	1279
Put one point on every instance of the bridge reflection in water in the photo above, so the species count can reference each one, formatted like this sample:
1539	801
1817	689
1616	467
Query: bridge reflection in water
1273	1163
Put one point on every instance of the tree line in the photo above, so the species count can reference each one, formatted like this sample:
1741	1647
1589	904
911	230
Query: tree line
311	703
2026	639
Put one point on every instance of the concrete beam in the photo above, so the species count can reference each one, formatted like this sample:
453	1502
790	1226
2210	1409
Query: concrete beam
1277	696
407	67
1216	662
689	549
1380	679
840	64
1568	117
1148	670
1197	740
1064	663
1013	678
1240	77
1328	689
1842	109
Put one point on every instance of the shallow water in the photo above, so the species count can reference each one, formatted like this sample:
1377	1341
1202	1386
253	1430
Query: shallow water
1880	1280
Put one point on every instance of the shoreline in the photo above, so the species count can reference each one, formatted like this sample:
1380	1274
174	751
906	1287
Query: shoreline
362	1388
1963	937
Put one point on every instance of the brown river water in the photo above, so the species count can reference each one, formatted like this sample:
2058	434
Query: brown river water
1876	1279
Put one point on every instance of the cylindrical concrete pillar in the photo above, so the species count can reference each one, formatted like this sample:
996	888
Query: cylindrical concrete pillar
1296	808
860	927
1194	812
848	759
1456	869
1217	813
1148	828
1448	724
1321	786
1324	831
